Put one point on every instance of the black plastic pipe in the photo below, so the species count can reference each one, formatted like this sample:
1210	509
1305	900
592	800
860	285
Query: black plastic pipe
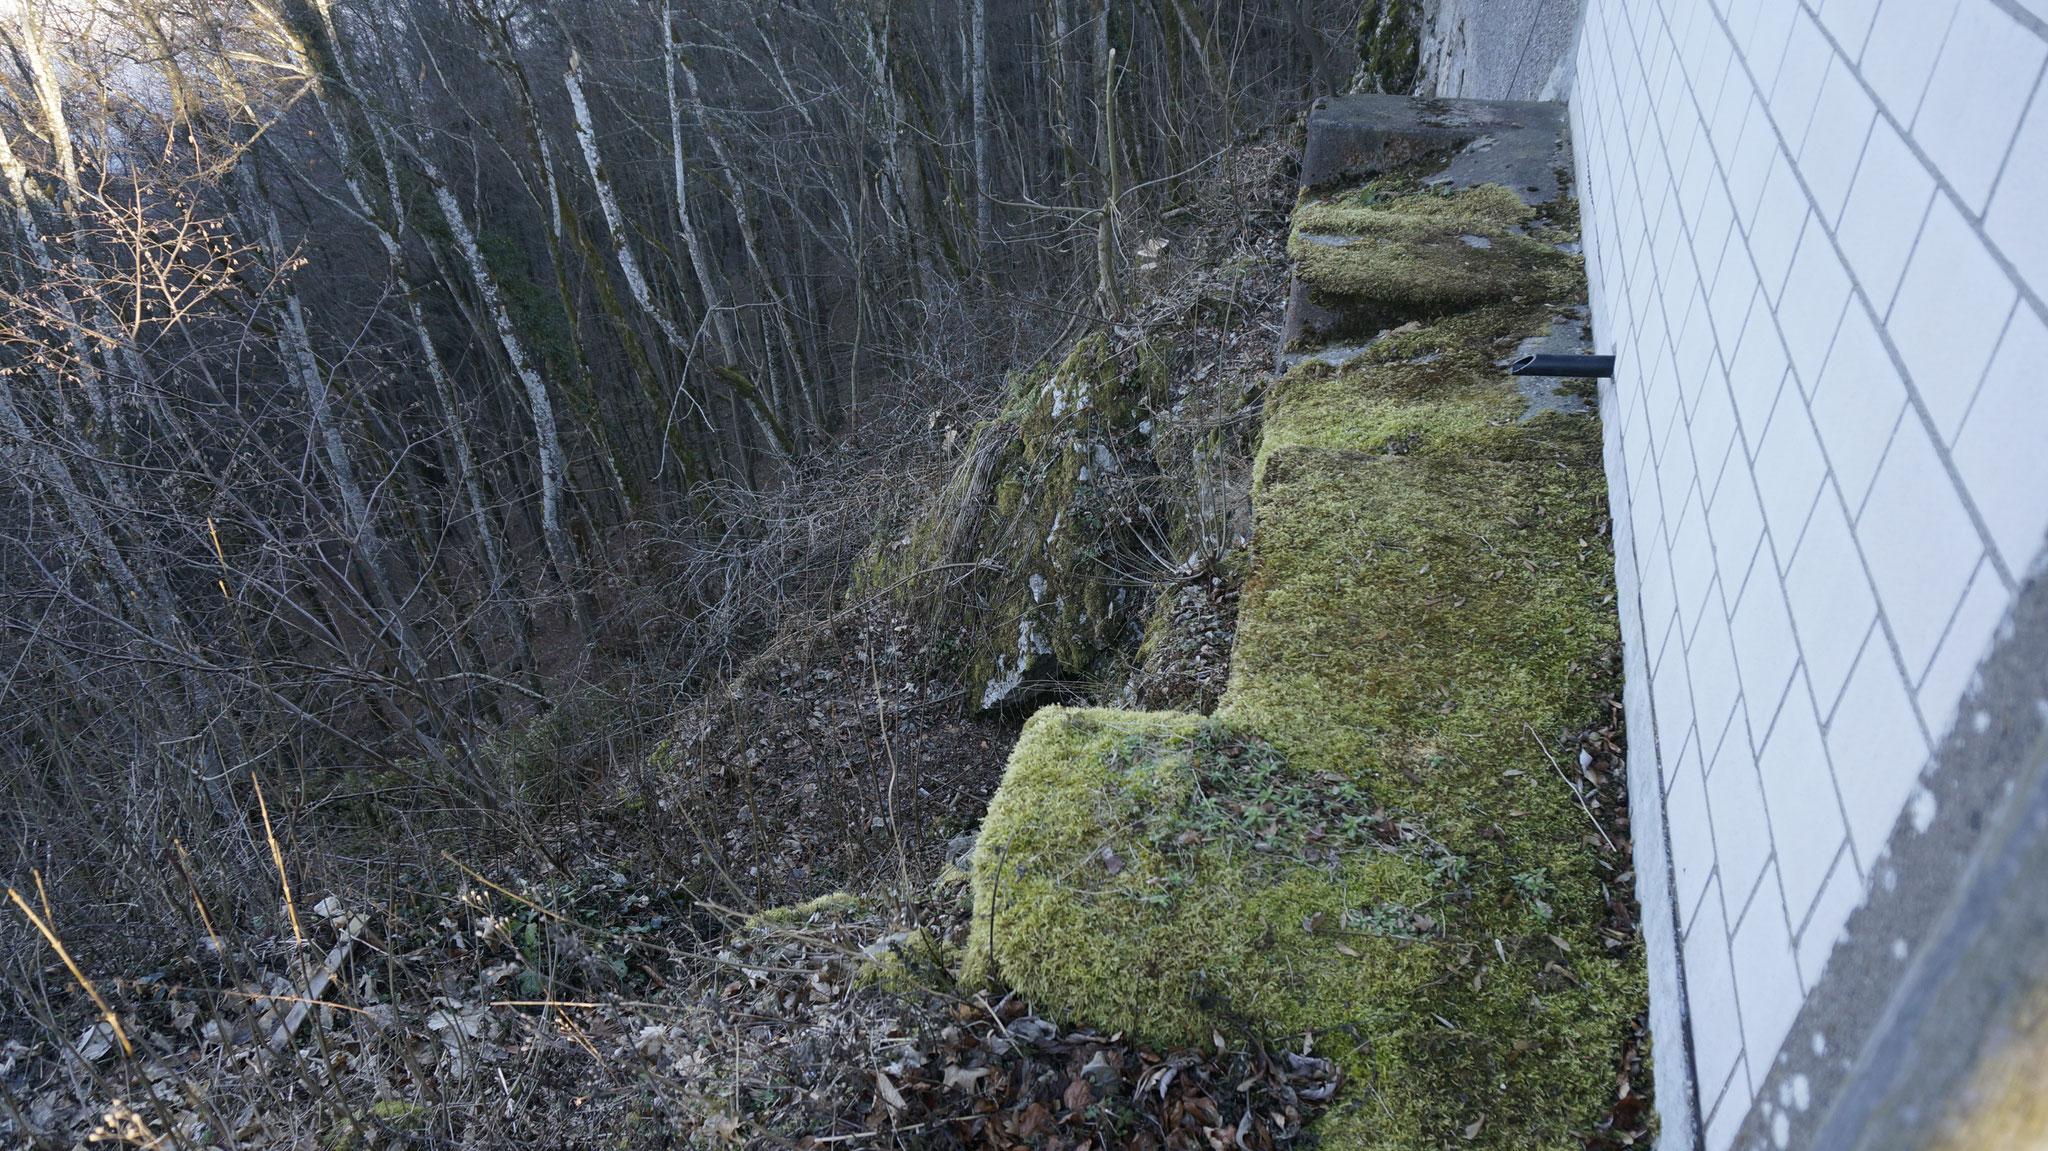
1586	367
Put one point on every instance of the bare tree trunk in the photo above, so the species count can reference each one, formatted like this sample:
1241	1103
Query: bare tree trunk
389	222
554	466
300	361
622	250
707	279
778	308
1107	291
982	178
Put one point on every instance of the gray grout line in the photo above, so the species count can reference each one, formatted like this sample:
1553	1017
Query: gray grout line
2028	20
2033	97
1997	346
1950	624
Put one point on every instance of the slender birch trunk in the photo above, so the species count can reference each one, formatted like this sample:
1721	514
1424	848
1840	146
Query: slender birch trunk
553	462
778	308
982	178
700	261
622	249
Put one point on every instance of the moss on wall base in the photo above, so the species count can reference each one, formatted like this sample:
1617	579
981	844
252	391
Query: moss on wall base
1368	840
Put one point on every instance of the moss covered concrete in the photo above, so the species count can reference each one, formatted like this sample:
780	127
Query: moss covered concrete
1390	253
1368	839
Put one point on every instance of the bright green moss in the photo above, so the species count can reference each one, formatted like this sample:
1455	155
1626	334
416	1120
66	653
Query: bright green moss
1487	209
400	1114
832	906
1402	637
1425	254
1430	392
913	964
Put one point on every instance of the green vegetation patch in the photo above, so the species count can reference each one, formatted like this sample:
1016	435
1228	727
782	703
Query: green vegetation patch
1421	254
1369	839
1389	47
1027	548
829	908
1130	874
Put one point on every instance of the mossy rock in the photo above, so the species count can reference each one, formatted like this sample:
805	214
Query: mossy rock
1389	47
1028	551
1429	610
1426	254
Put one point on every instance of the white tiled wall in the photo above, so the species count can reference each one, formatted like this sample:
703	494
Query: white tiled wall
1818	249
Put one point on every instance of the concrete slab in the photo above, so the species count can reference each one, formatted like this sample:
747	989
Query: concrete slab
1520	145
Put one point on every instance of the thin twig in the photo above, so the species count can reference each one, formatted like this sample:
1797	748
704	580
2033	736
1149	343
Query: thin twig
1573	788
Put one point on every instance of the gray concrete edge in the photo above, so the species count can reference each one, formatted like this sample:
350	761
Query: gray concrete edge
1656	884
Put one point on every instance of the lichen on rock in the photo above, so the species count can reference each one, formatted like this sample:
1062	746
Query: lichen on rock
1365	841
1025	553
1389	47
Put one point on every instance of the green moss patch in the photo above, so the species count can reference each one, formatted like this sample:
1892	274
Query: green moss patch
1126	877
1027	550
1369	839
1389	47
1425	254
833	907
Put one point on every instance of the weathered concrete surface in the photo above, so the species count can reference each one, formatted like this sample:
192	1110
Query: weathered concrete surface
1499	49
1517	144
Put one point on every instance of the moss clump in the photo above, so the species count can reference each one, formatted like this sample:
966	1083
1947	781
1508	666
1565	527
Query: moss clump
834	906
1367	839
1150	872
1426	392
1028	542
1389	47
399	1114
912	963
395	1114
1425	254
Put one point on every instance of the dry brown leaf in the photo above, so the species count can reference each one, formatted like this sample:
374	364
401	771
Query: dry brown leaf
965	1078
887	1090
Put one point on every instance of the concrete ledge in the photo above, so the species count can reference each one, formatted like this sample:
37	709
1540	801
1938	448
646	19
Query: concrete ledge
1519	145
